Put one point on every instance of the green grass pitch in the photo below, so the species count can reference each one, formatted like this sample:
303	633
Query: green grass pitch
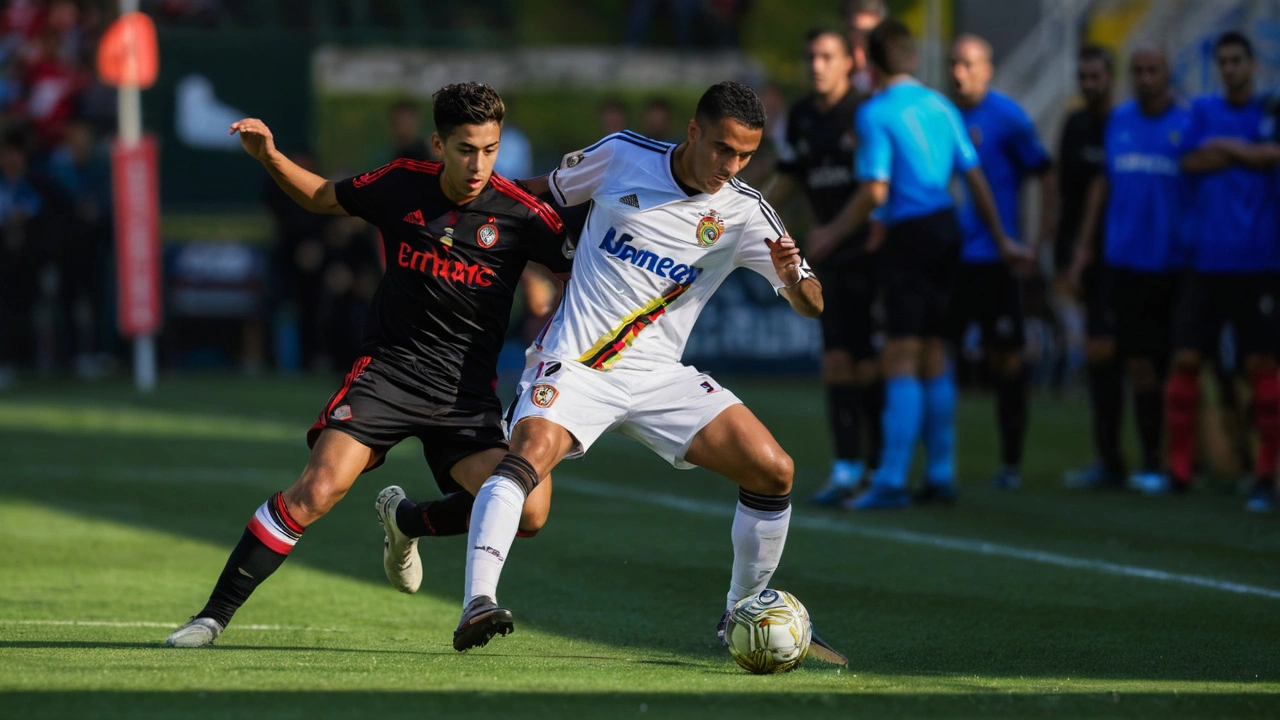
117	513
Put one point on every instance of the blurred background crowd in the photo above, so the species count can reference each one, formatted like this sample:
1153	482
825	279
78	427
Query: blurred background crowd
253	283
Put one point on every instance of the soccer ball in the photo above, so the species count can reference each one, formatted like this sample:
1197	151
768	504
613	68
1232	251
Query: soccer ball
769	633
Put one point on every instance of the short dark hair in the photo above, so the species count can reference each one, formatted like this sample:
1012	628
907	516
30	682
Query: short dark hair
1097	53
815	33
891	48
1234	37
731	100
874	7
468	103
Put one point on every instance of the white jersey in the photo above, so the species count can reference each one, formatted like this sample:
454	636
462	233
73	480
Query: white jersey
650	255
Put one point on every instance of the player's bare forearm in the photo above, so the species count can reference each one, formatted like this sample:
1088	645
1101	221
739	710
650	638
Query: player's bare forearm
984	202
539	186
781	189
1206	159
305	187
1048	206
870	196
805	297
1258	156
1082	251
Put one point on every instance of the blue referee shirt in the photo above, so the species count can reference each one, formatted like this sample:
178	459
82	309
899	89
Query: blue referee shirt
1009	150
1144	220
1232	222
912	138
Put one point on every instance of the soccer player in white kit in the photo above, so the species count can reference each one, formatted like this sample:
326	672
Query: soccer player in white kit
668	224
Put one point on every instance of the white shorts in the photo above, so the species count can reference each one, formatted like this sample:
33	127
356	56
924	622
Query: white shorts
663	409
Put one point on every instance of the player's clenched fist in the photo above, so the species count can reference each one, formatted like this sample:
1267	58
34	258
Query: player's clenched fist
786	259
255	137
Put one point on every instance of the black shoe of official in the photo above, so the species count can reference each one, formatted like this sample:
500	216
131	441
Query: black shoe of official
481	620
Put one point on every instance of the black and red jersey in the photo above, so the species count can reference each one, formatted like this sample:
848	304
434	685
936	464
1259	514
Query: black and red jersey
441	311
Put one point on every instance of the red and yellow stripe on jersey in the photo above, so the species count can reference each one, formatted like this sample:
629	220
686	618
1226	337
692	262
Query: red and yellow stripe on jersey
609	348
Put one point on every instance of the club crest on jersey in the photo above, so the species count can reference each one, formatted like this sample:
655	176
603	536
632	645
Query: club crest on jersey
543	395
487	235
710	228
573	159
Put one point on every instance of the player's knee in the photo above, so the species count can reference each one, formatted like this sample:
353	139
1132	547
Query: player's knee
778	469
314	494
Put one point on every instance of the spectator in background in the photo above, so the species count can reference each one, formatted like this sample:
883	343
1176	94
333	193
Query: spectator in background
1081	159
52	81
1139	199
27	213
817	158
515	159
860	18
682	16
349	273
655	121
987	293
614	115
723	20
1235	278
79	167
404	121
298	265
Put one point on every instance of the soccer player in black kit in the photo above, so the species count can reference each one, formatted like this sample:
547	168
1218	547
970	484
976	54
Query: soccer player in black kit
457	239
818	158
1081	159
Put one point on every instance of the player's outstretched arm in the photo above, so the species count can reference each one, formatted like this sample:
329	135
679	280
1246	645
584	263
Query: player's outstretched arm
305	187
1259	156
801	289
539	186
1206	158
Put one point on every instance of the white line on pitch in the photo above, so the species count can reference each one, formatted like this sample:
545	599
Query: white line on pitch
148	624
702	507
978	547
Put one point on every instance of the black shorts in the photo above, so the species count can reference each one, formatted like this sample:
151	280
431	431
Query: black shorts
1099	321
848	294
378	409
1208	301
1140	308
988	294
918	269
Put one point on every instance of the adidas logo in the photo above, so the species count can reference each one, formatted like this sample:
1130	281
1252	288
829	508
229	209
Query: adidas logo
415	217
631	200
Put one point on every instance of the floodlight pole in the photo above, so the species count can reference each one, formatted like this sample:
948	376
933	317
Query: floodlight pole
129	120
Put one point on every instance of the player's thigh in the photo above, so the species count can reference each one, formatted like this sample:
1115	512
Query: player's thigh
336	460
738	446
1197	320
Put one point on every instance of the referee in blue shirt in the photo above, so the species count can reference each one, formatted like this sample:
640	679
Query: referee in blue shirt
911	143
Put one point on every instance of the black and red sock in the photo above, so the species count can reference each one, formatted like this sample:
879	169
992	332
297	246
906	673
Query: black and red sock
266	542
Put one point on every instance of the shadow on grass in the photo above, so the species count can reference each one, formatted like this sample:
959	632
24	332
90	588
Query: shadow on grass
308	705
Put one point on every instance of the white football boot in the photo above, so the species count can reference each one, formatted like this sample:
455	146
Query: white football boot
399	552
199	632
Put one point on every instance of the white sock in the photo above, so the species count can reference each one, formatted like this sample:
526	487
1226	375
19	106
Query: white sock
758	537
495	517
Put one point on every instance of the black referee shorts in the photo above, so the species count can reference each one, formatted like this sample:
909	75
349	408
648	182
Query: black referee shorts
378	409
918	270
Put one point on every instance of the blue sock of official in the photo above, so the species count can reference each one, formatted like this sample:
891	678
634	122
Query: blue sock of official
940	429
903	410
